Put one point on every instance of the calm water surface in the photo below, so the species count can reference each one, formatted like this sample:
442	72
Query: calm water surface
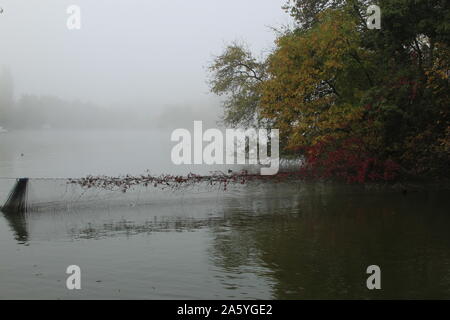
280	241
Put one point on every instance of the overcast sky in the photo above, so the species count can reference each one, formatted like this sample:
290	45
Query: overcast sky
142	52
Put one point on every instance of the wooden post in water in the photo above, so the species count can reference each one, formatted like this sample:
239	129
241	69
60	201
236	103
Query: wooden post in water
17	199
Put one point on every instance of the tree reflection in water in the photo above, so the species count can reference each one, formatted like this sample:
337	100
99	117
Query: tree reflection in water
321	246
308	241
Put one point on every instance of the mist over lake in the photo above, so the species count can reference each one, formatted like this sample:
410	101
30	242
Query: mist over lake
226	150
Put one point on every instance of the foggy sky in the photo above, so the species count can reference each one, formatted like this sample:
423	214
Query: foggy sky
128	52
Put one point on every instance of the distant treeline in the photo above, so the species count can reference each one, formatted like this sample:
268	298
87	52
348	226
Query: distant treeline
39	112
51	112
48	112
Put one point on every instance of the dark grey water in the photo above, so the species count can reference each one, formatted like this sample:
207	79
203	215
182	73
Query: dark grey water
281	241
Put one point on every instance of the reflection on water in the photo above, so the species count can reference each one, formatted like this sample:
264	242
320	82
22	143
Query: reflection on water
283	241
278	241
18	224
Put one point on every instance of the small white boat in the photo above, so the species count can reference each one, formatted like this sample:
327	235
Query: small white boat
2	130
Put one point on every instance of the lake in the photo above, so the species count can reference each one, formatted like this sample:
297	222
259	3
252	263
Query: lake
293	240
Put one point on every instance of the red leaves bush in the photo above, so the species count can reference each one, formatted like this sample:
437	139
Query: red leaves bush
348	161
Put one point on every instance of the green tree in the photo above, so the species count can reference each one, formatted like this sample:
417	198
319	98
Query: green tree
237	76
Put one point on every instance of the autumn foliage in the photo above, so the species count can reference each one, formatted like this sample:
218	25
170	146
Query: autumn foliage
356	104
348	161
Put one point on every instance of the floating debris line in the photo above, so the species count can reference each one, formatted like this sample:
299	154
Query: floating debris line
36	194
174	182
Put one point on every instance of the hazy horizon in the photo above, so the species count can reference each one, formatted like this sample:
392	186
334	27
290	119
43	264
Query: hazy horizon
133	54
